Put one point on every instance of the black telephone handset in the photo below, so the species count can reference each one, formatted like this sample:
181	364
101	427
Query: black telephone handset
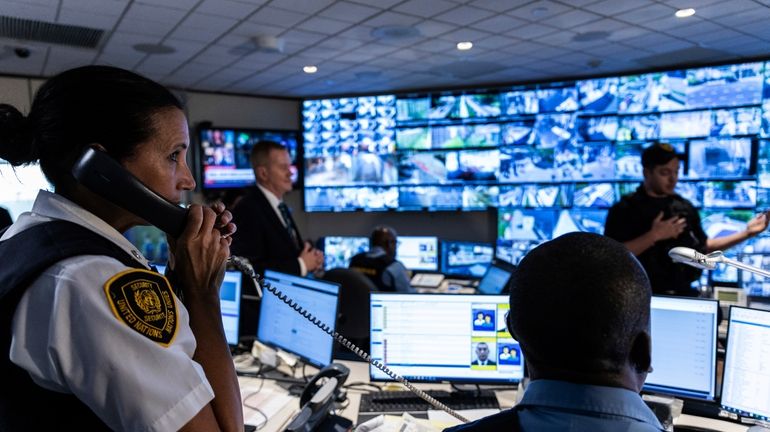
104	176
334	370
317	402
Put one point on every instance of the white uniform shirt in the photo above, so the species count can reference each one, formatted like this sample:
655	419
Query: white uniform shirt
67	337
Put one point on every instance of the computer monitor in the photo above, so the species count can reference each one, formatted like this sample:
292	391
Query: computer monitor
496	278
282	327
444	337
746	377
229	302
684	347
418	252
461	258
338	250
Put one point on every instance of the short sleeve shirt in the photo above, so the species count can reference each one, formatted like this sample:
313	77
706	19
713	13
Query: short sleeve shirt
68	338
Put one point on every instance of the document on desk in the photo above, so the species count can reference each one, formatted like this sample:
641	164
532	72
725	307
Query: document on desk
444	419
269	402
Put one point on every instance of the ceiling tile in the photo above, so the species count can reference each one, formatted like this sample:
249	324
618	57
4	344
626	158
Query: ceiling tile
499	24
185	5
645	14
349	12
141	12
494	42
425	9
571	19
378	3
323	25
496	5
277	17
392	19
153	29
226	8
611	7
539	10
432	28
464	34
29	11
204	28
531	31
302	6
720	9
463	15
87	19
98	7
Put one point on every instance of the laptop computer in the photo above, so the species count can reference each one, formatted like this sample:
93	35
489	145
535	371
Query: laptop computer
496	277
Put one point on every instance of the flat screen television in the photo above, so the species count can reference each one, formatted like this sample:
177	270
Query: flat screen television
224	154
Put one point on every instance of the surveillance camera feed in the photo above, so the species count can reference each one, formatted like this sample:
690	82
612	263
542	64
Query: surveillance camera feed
551	157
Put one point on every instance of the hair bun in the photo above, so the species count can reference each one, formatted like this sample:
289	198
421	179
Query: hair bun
15	136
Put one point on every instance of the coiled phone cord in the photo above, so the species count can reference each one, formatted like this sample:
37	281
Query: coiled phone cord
244	266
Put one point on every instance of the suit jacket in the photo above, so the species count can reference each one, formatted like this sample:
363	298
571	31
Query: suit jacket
261	236
477	362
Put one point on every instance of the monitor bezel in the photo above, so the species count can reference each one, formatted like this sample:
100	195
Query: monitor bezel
332	326
732	410
438	253
717	388
418	379
297	163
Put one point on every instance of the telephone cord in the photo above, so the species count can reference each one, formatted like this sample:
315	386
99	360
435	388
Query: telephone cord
243	265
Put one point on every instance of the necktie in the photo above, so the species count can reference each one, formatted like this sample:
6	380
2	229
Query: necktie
290	228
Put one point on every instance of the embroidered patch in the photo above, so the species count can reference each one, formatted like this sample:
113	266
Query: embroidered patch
143	300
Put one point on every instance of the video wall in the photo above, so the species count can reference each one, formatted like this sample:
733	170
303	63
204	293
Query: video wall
552	157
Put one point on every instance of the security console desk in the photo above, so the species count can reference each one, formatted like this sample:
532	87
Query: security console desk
359	373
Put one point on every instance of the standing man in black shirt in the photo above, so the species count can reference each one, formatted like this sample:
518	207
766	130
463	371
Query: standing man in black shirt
654	219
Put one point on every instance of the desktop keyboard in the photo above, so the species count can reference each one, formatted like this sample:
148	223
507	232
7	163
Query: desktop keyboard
405	401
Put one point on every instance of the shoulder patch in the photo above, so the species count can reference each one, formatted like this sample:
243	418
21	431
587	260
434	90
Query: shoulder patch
143	300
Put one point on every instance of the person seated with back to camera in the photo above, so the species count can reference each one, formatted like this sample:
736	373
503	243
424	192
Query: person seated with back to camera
380	265
580	308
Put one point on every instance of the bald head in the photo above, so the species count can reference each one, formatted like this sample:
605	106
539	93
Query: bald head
384	237
579	303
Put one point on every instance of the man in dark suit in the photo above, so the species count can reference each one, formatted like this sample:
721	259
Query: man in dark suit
267	235
482	355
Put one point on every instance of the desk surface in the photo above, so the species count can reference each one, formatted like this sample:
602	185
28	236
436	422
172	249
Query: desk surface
359	373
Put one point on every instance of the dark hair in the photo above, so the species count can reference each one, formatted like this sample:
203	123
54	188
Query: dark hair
260	153
659	153
577	302
91	104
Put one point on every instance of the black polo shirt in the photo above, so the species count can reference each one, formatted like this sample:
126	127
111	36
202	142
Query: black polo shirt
632	217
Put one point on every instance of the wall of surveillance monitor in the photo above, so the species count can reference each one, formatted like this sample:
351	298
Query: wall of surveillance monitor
551	157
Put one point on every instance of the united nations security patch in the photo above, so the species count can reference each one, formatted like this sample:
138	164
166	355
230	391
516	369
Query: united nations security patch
143	300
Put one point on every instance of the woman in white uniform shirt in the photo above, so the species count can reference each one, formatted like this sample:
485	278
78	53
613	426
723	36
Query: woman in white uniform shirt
70	331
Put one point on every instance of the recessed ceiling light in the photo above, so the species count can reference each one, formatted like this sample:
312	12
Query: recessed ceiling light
464	46
310	69
684	13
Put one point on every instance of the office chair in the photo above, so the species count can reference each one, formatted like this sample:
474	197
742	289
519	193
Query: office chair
353	316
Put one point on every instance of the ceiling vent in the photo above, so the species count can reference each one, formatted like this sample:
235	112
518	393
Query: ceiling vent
41	31
395	32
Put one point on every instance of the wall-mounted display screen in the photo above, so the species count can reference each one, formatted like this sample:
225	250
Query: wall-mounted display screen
224	155
498	147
